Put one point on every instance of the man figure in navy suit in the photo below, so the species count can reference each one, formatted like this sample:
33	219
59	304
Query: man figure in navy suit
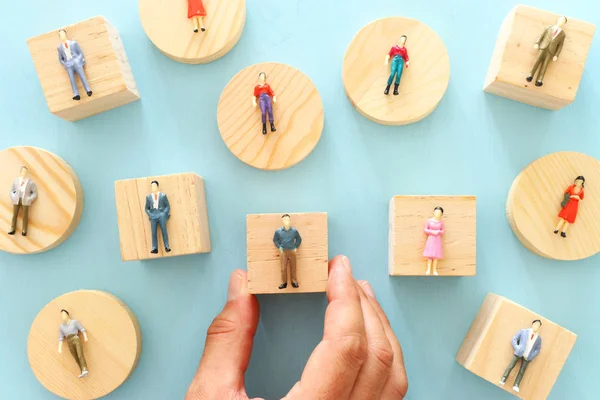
527	344
159	211
71	57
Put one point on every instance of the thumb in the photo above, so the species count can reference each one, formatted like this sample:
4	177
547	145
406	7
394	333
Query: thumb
229	341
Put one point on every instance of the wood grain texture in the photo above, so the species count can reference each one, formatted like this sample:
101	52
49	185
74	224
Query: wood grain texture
298	113
168	27
112	351
107	70
423	83
487	351
514	57
534	202
408	215
264	271
55	214
188	227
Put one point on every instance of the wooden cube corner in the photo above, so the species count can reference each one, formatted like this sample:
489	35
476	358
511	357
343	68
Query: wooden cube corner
264	262
487	350
407	218
106	67
188	228
514	57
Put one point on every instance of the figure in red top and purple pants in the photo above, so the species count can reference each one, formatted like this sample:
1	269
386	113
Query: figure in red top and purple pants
399	56
265	97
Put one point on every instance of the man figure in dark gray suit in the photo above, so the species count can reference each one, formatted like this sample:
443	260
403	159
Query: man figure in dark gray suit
159	211
23	193
527	344
71	57
549	46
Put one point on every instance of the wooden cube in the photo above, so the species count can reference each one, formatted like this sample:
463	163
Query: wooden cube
407	238
514	57
487	351
187	228
264	262
106	68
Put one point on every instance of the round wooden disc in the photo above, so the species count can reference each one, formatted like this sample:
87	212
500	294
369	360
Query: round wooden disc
534	203
298	114
112	351
423	83
168	27
54	215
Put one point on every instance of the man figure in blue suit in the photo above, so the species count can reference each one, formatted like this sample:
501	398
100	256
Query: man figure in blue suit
159	211
527	344
71	57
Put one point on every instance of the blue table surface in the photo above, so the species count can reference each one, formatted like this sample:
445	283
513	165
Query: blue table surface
473	143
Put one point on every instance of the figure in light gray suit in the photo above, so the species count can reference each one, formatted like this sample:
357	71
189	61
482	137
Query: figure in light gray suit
159	211
23	193
71	57
526	344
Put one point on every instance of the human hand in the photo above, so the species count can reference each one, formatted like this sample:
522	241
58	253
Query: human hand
554	58
536	46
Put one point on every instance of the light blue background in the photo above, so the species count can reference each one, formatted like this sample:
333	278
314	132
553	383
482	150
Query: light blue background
474	143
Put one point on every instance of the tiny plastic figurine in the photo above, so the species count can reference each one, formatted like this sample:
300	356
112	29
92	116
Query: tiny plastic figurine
71	57
159	211
287	240
399	56
434	247
548	45
23	193
197	12
265	97
570	206
69	329
526	344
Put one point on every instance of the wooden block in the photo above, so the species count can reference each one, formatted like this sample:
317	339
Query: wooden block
514	57
423	83
188	226
534	202
107	70
55	213
298	114
112	351
168	27
487	351
264	267
407	238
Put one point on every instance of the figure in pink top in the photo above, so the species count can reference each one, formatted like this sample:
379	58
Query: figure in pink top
434	247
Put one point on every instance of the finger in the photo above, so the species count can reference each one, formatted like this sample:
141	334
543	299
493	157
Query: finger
334	364
396	385
375	371
228	344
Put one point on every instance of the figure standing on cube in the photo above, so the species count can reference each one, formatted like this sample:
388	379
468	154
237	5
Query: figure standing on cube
526	344
71	57
549	46
159	211
287	240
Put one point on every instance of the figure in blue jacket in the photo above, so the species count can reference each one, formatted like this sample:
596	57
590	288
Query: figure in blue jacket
526	344
159	211
71	57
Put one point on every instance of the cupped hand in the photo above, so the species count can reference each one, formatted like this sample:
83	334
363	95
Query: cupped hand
358	358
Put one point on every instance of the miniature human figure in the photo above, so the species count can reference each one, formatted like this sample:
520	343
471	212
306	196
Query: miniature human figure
548	45
159	211
526	344
570	206
434	247
23	193
197	12
399	56
287	240
265	97
71	57
70	329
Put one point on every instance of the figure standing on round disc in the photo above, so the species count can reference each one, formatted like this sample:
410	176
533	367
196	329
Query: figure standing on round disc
264	95
399	56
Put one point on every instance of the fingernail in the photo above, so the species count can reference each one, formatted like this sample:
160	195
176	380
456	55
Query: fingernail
368	289
346	263
235	286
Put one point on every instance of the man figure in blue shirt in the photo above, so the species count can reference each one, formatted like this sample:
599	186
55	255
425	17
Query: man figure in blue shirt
287	240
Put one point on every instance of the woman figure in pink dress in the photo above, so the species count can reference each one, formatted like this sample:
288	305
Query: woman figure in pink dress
434	251
197	12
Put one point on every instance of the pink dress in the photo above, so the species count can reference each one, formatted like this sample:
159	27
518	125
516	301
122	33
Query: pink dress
434	247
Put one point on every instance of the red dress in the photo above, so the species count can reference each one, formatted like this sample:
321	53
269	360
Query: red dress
196	9
569	212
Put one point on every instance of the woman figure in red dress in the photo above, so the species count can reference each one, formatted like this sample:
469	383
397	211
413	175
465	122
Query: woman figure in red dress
573	195
197	12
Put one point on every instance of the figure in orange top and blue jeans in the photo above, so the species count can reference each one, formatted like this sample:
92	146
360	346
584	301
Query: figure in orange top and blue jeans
265	97
399	56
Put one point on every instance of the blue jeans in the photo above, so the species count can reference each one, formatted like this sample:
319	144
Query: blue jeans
397	67
154	223
77	69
